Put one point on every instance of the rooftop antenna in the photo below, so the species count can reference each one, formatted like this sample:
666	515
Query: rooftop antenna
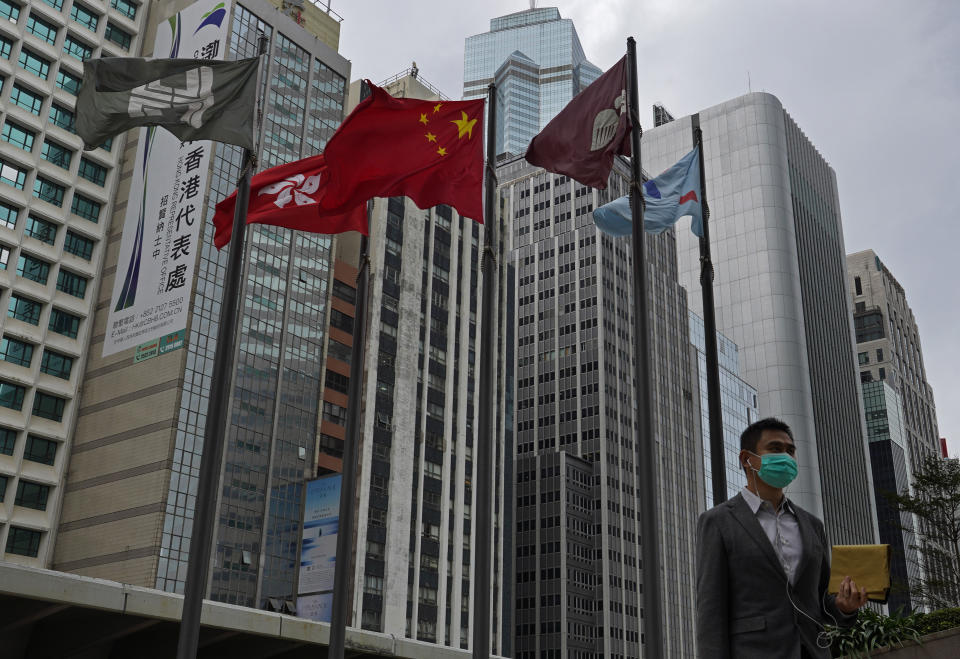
533	4
749	87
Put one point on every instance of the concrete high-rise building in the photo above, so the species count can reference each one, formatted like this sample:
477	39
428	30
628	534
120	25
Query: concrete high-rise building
416	485
579	579
890	461
889	353
537	62
888	348
56	201
781	292
738	400
138	440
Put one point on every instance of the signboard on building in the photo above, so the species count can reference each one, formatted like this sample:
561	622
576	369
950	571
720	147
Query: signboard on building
158	250
318	551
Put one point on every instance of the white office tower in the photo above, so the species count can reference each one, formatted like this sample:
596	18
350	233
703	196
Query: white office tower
780	289
55	204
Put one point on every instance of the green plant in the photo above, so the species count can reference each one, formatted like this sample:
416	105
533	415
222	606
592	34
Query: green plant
871	631
937	621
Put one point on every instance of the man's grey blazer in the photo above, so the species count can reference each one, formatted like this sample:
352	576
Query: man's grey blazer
743	610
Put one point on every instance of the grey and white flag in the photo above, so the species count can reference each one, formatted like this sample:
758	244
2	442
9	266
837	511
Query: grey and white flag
194	99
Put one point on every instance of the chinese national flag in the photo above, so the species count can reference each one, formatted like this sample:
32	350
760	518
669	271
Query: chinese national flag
288	196
430	151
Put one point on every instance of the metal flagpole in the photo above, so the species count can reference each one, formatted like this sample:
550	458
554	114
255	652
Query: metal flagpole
485	426
646	444
717	462
342	607
205	514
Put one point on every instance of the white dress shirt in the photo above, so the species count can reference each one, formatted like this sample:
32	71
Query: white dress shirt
782	529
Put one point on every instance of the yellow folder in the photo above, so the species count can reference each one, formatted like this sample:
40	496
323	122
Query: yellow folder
867	565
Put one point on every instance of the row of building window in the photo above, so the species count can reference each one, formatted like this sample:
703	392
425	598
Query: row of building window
51	192
20	353
37	449
38	270
28	311
44	231
45	406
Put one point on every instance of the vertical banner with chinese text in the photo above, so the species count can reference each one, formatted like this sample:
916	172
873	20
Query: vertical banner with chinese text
165	206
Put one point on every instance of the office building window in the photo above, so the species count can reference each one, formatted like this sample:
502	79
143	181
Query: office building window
24	309
5	47
11	395
8	440
77	49
84	17
77	245
68	82
25	99
4	257
125	7
57	154
62	118
18	136
71	284
48	191
41	29
8	215
48	406
34	269
12	176
9	11
32	495
118	36
341	321
40	450
92	172
85	207
879	354
45	232
56	364
16	352
33	63
23	542
61	322
56	4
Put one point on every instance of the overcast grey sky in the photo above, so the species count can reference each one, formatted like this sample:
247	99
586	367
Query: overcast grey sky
875	85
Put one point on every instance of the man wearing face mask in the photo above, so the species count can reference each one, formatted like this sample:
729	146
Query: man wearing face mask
763	564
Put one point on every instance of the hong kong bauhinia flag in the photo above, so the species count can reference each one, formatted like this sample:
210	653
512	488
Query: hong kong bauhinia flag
429	151
582	140
288	196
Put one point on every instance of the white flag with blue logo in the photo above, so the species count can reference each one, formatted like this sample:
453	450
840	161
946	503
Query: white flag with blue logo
670	196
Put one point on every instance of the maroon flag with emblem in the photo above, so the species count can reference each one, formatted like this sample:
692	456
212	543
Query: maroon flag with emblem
583	138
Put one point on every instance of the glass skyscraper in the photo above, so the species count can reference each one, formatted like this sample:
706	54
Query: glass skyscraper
890	460
537	62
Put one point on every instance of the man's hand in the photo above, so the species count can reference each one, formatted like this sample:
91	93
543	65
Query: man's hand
849	599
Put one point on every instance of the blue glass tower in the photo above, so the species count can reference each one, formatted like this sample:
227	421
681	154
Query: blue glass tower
537	62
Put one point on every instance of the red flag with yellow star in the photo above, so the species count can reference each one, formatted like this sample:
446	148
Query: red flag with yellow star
430	151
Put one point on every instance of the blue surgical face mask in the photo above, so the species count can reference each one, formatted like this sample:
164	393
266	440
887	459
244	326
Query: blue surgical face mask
776	469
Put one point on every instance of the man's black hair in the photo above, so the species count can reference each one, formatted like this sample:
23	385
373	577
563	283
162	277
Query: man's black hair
751	436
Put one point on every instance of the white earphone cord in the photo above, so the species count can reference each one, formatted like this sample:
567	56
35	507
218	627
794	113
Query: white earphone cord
823	638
